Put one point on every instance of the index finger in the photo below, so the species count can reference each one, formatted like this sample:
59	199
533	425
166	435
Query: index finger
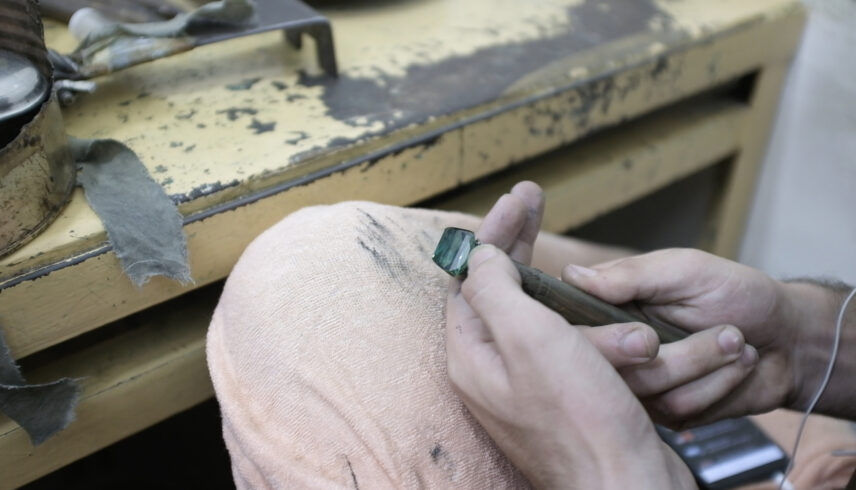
471	359
513	222
492	288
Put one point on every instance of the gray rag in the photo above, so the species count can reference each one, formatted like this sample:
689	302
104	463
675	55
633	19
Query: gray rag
145	229
228	12
107	45
41	409
143	225
118	45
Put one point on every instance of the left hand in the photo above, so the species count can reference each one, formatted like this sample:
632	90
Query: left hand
512	225
543	391
568	379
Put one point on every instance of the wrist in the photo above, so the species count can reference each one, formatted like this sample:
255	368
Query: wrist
650	465
813	309
646	464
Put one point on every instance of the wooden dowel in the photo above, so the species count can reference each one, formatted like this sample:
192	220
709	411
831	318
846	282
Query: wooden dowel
581	308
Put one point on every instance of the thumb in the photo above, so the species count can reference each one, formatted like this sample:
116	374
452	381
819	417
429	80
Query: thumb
656	277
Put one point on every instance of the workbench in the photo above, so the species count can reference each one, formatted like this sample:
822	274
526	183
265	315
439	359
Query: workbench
601	102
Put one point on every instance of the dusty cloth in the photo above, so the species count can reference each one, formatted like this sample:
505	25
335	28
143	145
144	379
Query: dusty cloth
40	409
327	355
328	359
145	230
107	45
142	222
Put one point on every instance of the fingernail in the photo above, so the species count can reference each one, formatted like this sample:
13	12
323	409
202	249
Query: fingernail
730	340
749	357
480	254
578	270
637	345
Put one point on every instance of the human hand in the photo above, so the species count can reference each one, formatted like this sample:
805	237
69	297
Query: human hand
512	225
513	222
545	394
720	371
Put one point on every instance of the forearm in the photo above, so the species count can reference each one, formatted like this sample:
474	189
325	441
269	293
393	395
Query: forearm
815	307
652	465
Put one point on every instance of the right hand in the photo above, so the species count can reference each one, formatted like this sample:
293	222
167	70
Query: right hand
720	371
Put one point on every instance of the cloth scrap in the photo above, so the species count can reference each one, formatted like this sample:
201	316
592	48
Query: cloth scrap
41	410
228	12
145	230
143	225
107	45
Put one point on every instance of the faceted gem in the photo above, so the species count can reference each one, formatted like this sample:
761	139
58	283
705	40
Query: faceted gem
453	250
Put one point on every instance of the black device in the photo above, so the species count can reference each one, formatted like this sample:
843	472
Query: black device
727	453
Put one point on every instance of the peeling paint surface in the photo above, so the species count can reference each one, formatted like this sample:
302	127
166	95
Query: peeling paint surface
222	121
446	57
434	94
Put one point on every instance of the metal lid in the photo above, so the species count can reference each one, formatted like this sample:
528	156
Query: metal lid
22	87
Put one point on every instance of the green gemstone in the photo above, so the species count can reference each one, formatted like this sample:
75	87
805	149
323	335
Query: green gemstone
453	250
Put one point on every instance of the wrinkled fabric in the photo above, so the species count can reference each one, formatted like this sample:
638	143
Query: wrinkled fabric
327	353
41	410
143	225
221	12
115	45
145	229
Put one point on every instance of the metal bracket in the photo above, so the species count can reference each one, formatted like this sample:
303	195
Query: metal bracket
294	18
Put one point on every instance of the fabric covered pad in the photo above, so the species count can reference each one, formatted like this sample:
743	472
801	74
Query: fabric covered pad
327	356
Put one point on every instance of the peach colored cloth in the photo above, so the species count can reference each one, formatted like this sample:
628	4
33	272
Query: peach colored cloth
815	467
327	356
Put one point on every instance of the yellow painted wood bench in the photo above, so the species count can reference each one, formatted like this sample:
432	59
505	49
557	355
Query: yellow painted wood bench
602	102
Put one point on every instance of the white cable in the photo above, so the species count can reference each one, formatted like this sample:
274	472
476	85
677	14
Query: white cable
820	389
785	484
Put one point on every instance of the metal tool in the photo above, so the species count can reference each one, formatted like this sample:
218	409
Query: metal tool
575	305
294	18
24	89
36	168
142	45
121	10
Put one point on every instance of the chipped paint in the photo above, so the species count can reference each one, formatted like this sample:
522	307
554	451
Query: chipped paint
259	127
384	86
700	18
203	190
233	113
255	112
245	84
422	91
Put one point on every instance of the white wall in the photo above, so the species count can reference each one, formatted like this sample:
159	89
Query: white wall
803	220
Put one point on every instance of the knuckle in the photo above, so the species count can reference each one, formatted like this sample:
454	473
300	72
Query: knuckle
474	286
683	256
677	407
613	335
692	257
455	374
452	369
631	326
522	349
644	381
